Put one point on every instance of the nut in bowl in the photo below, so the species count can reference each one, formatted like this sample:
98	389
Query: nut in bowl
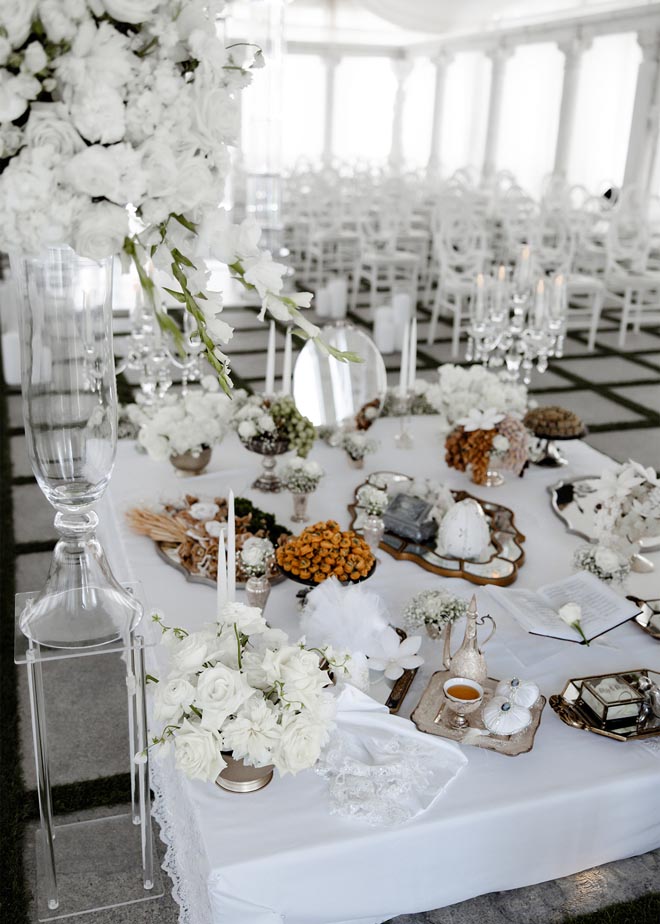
323	550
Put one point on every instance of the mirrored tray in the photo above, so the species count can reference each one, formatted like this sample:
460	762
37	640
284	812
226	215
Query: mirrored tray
499	565
570	710
649	618
572	500
429	718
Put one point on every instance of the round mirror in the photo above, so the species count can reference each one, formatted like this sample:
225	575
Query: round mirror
332	393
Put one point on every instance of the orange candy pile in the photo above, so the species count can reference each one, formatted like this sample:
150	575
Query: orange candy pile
323	550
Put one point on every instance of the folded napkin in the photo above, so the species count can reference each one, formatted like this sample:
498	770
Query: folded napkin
379	768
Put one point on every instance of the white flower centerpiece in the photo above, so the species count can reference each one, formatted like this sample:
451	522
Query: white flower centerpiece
627	511
301	477
356	446
434	609
257	557
238	691
183	428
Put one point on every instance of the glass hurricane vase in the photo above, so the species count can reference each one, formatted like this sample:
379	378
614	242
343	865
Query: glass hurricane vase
70	413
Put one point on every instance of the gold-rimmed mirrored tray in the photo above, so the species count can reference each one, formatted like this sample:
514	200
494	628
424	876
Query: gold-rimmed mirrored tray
571	711
649	617
500	563
573	501
429	716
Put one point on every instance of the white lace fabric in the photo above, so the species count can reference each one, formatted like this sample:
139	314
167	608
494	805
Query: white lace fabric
376	768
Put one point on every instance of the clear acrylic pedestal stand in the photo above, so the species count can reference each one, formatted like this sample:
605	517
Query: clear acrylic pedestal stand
106	862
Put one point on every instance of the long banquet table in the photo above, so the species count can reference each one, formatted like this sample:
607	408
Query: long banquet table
575	801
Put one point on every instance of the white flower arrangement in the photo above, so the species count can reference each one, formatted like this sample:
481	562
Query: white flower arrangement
357	445
433	608
604	561
628	504
373	500
259	418
182	423
106	104
241	687
302	476
460	390
256	556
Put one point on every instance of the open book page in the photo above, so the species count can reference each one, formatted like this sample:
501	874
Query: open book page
602	607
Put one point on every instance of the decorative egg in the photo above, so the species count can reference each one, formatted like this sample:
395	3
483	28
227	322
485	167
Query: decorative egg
502	717
522	692
464	532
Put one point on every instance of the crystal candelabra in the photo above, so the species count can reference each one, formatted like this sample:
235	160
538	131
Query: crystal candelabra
146	355
517	325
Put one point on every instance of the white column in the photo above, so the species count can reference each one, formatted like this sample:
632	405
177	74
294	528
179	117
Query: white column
650	182
640	139
402	68
572	51
331	62
498	56
441	62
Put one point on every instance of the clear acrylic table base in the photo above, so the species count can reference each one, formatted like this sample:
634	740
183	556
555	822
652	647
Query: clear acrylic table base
105	862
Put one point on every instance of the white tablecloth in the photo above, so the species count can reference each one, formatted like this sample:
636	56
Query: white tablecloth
575	801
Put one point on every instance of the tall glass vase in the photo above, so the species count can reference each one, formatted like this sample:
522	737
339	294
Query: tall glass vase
70	412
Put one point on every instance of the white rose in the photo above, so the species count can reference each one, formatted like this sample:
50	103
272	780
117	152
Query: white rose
189	654
170	698
253	734
606	559
266	423
49	125
300	743
247	619
221	691
195	185
16	17
273	662
60	26
215	116
203	511
15	91
246	430
101	230
570	613
98	114
197	752
133	11
303	678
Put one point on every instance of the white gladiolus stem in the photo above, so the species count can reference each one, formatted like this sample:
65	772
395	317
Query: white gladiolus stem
222	575
231	551
270	361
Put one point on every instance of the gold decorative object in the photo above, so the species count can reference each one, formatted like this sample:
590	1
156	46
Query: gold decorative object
571	708
500	563
429	716
239	777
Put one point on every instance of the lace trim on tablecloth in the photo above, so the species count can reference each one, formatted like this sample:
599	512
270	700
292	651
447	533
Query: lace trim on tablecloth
184	861
383	782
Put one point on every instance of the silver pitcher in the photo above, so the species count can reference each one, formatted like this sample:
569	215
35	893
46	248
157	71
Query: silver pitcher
468	661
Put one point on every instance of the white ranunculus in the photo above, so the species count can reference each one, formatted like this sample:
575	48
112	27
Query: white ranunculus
221	691
606	559
101	230
247	619
35	58
133	11
253	734
98	114
16	18
15	92
197	752
264	273
189	654
170	699
49	125
299	747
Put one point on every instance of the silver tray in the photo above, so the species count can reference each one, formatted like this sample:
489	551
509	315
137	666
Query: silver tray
500	563
433	699
168	552
572	501
568	707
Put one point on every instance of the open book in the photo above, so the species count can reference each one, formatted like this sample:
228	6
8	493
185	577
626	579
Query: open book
537	611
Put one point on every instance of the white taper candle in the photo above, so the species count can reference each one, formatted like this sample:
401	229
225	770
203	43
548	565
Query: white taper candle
270	361
405	359
231	551
222	574
286	372
412	362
